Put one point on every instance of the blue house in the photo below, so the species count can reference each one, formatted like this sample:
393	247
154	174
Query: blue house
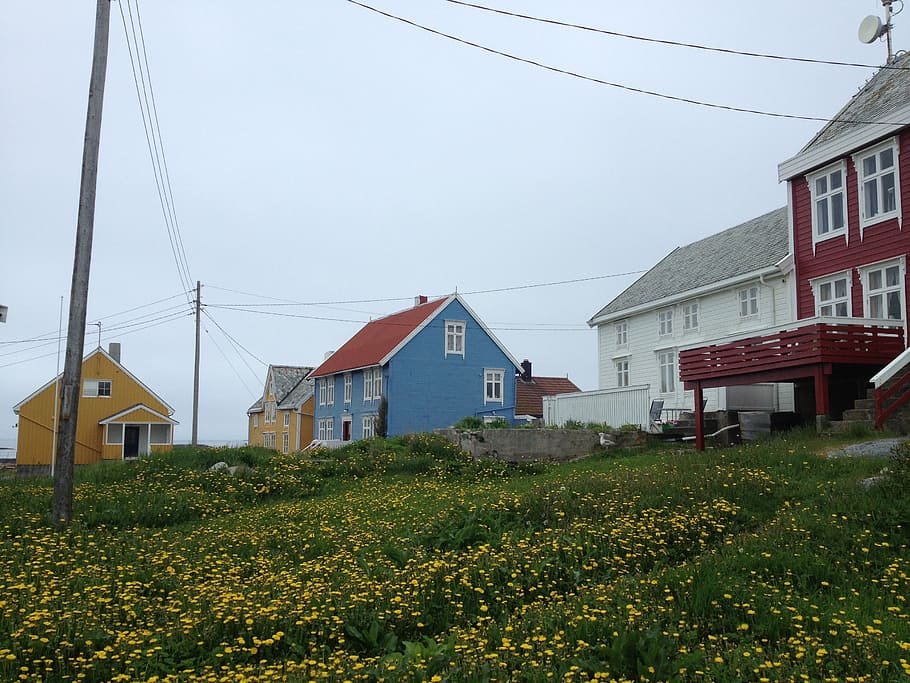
432	365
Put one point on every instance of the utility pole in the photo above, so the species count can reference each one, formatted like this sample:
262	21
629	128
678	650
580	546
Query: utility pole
62	505
196	371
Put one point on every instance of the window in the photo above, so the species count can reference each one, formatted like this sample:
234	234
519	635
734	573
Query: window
369	422
348	387
622	334
455	337
322	391
666	361
330	390
884	291
622	372
285	442
256	419
690	316
92	388
377	383
829	208
326	428
832	296
879	193
114	434
368	384
268	440
160	435
493	385
665	322
287	419
748	302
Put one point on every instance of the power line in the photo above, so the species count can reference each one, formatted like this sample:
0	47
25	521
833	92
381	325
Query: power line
230	365
149	111
674	43
289	302
620	86
236	343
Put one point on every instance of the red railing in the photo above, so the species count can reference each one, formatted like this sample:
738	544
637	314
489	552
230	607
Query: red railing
811	344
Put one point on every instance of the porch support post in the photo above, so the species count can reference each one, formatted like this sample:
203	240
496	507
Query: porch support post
699	419
822	402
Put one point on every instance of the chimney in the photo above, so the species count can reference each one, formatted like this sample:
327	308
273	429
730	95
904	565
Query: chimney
526	370
327	354
114	351
420	299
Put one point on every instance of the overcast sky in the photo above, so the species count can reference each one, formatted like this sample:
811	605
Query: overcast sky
321	153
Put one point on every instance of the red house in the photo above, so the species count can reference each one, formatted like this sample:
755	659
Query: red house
848	192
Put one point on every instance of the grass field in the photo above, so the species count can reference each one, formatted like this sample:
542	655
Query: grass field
404	560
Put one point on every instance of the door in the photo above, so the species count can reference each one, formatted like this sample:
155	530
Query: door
131	441
346	428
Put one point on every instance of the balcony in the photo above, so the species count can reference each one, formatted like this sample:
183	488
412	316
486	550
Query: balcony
786	354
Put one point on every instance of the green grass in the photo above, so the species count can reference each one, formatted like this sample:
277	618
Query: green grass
404	559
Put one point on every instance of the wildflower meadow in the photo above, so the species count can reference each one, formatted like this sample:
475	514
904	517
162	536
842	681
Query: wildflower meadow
405	560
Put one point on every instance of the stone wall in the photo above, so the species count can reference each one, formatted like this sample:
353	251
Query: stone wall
538	445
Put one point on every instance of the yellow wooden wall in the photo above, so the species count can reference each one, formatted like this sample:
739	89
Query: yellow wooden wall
255	434
36	417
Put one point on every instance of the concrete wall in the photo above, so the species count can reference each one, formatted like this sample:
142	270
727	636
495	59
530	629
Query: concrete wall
536	445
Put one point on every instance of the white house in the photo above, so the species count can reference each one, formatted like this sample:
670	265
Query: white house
737	281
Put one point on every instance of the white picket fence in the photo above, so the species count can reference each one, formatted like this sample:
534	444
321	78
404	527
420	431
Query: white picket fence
614	407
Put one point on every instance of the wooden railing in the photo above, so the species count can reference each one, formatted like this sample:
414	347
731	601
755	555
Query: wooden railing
809	344
891	388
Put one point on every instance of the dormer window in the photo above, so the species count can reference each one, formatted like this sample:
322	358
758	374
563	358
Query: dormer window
879	183
829	203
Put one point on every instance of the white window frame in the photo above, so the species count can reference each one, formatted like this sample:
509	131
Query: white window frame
330	390
368	426
885	289
863	179
287	419
621	366
256	420
666	370
824	290
285	442
665	322
824	203
348	387
749	303
113	435
690	311
326	428
493	378
454	337
322	391
377	383
154	429
97	388
621	329
368	384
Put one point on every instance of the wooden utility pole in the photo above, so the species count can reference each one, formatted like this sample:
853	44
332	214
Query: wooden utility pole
62	505
196	371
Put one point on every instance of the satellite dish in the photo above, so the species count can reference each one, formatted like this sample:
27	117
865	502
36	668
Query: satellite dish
871	29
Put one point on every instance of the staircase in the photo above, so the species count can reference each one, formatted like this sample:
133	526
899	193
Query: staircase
861	415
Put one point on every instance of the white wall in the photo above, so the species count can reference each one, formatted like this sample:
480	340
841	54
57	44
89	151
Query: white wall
719	316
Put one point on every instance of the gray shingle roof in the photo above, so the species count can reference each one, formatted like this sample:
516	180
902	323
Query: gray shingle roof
886	92
289	386
746	248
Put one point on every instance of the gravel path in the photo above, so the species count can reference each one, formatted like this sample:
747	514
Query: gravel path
874	449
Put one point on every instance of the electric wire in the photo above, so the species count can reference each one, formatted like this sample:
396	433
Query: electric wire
228	361
150	125
620	86
675	43
236	343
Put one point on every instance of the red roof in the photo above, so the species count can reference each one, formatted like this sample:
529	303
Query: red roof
529	395
378	338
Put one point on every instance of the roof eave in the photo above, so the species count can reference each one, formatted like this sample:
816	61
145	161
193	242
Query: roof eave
841	146
688	294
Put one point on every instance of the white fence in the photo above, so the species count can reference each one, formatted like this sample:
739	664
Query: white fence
614	407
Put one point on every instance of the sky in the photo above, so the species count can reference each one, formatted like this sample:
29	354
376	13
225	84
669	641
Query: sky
328	163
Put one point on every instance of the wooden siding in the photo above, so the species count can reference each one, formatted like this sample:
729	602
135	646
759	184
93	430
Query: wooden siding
36	417
795	348
879	242
299	429
615	407
718	318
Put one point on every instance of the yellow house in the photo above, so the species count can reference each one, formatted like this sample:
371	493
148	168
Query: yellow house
119	417
282	419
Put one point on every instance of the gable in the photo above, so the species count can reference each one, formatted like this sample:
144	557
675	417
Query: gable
138	413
